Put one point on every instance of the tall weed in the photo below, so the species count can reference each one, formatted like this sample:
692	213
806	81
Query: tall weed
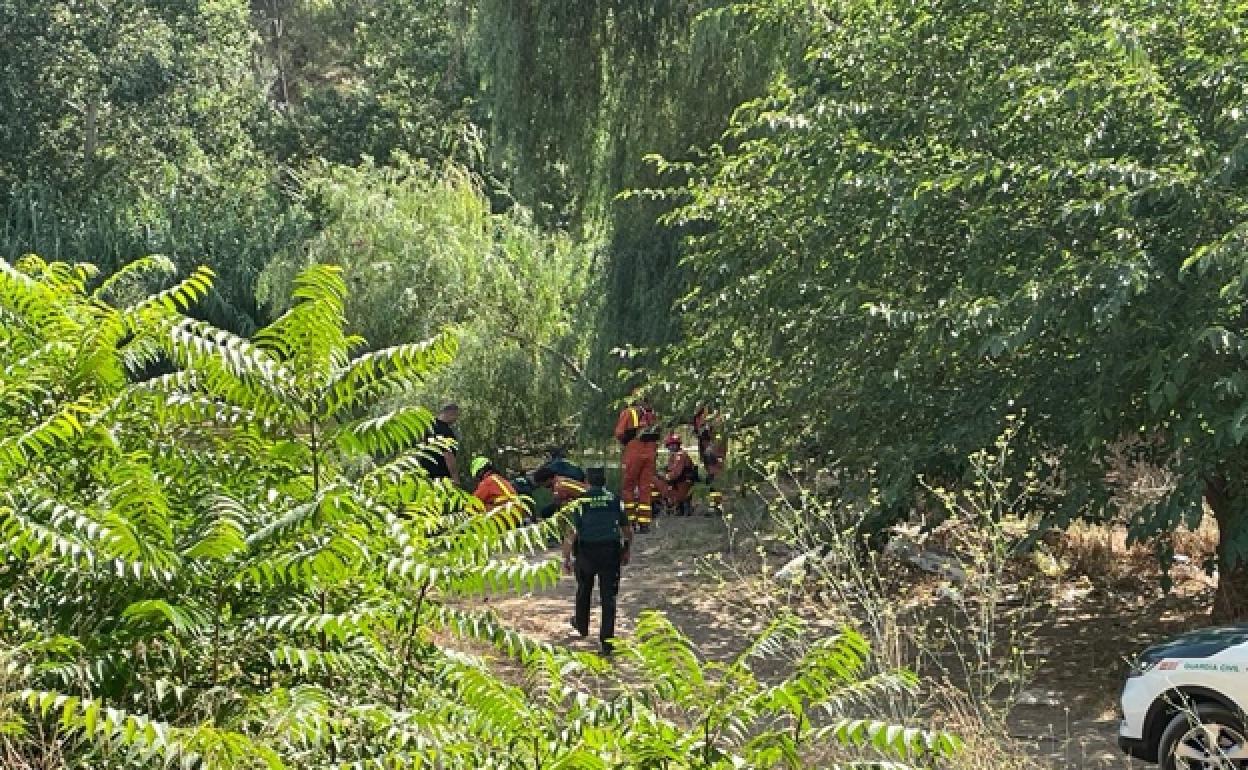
950	597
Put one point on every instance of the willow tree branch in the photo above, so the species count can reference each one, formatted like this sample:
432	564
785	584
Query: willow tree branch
568	362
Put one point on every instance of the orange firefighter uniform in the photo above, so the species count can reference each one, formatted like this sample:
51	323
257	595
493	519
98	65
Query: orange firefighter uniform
678	479
637	430
711	444
566	490
498	495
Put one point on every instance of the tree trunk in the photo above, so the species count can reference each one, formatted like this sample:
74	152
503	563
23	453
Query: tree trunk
1230	601
91	139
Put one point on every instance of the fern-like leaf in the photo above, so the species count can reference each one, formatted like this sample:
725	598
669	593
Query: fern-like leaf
385	373
149	739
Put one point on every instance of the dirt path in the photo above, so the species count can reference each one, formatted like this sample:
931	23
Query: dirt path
1067	715
1072	718
664	575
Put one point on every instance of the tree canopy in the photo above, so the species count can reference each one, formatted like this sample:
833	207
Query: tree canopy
191	130
871	230
955	212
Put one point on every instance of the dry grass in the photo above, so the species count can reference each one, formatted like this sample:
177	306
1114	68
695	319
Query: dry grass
33	751
1058	621
1101	552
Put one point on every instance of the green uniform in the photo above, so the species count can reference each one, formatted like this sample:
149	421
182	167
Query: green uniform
599	518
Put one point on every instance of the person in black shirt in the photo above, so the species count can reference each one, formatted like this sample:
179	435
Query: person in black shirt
442	464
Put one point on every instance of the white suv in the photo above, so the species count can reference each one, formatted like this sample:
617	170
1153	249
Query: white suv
1184	700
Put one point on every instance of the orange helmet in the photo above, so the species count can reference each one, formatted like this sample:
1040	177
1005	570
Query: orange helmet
672	441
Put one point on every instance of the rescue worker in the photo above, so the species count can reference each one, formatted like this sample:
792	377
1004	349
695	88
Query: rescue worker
601	538
712	449
443	443
563	488
713	458
678	479
494	491
701	420
637	430
707	426
558	462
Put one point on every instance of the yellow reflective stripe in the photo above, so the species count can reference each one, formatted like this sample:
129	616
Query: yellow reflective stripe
636	415
504	489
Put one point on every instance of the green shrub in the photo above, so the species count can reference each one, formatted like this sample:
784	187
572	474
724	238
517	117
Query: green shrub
420	249
238	564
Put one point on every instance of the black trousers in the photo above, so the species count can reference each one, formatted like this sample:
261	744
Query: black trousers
601	561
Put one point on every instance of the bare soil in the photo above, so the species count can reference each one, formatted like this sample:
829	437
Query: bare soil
1087	642
1080	641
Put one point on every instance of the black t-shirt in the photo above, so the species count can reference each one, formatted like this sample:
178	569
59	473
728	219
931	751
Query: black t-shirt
445	435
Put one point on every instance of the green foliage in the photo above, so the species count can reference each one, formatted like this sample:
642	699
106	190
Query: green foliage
132	129
115	96
576	95
210	543
421	248
234	227
366	79
952	211
219	567
573	97
695	713
190	130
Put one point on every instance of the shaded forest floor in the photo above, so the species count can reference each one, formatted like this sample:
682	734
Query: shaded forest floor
1078	639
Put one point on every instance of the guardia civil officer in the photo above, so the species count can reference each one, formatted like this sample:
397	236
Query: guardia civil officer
601	538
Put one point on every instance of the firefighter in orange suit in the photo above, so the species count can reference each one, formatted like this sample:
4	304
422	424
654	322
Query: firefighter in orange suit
495	492
562	488
637	429
679	478
708	426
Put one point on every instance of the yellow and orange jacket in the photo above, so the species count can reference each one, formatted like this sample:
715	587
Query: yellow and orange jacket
566	490
494	490
632	421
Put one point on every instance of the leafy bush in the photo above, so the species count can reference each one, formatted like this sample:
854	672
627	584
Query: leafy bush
421	248
707	714
188	215
238	564
133	129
